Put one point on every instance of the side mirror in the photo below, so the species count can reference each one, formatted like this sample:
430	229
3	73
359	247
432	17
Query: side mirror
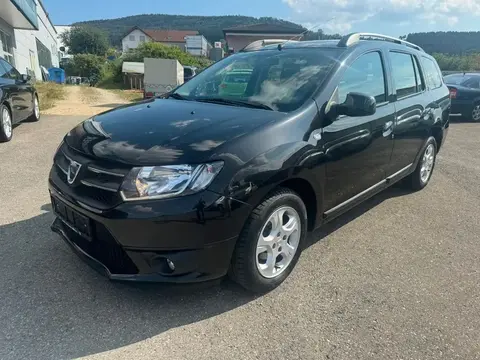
356	104
25	78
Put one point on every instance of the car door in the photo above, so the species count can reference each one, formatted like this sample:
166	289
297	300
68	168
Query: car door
21	93
358	149
411	122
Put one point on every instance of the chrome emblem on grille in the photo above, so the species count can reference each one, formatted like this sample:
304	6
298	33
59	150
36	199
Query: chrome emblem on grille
73	170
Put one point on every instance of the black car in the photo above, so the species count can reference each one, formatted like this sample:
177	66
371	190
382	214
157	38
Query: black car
195	185
18	100
465	95
189	72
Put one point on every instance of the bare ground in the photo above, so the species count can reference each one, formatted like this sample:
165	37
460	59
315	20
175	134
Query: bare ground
85	101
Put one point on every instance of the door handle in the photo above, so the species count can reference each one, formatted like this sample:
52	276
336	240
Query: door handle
387	129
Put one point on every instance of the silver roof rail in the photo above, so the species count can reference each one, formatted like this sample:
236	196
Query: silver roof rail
257	45
354	38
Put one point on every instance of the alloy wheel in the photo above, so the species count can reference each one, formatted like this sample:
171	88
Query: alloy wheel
476	113
6	122
278	242
428	161
36	108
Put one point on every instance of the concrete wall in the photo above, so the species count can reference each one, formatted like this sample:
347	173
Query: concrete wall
133	44
238	42
26	54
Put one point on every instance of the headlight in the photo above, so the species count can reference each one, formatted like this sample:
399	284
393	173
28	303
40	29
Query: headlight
158	182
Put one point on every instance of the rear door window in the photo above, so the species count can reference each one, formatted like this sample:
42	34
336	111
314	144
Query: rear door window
432	73
403	72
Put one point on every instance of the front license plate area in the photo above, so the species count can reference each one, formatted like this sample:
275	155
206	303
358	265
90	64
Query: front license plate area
73	219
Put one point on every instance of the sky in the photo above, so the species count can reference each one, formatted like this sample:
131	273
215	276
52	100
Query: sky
391	17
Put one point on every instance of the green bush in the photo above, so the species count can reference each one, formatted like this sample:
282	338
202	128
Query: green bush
85	65
157	50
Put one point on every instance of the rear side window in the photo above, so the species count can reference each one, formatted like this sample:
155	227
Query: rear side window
365	76
418	75
3	71
432	74
403	73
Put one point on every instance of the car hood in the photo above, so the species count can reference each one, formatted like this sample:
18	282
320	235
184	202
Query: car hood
165	131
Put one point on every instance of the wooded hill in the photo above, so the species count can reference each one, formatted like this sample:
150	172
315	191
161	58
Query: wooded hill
209	26
450	42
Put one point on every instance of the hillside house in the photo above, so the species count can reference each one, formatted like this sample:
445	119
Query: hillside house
137	36
240	36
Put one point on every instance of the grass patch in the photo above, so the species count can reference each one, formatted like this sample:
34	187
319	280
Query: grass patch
129	95
88	94
49	93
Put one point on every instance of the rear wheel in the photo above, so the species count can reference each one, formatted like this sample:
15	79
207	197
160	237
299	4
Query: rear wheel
36	110
5	124
476	112
422	174
271	242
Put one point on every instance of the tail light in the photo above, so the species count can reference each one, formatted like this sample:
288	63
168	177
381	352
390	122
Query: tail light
148	94
453	93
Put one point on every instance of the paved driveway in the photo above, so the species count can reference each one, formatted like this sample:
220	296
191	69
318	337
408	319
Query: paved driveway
397	278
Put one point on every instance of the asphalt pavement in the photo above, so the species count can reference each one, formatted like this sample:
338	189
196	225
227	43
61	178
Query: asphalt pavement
396	278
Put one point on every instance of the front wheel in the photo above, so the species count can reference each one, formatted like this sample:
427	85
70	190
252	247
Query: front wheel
271	242
422	174
5	124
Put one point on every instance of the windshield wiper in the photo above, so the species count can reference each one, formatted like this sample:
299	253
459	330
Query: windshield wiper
245	103
177	96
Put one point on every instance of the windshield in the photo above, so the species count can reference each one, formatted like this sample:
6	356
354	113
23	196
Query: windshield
282	80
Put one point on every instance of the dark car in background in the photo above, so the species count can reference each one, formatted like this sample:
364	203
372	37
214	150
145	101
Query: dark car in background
189	72
198	184
465	95
18	100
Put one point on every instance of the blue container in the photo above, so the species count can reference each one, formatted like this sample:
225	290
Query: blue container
57	75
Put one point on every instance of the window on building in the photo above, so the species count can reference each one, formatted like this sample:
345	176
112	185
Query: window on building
403	74
142	38
131	38
365	76
44	55
432	74
7	47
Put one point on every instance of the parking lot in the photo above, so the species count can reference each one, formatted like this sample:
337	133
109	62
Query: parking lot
396	278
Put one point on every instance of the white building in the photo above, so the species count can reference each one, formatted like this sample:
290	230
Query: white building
137	36
197	45
28	38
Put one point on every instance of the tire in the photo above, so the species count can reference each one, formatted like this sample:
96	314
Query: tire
476	112
419	179
6	130
36	110
254	255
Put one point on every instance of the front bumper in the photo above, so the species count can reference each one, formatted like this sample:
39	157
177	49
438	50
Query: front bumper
133	241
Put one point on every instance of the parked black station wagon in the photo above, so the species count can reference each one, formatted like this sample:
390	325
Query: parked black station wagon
196	185
18	100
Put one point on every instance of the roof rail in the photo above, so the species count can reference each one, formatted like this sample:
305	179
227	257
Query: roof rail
257	45
354	38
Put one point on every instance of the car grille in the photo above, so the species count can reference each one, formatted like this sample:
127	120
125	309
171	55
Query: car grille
104	248
97	183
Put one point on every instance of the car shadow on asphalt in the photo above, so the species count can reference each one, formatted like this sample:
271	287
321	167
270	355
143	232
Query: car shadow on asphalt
332	226
52	305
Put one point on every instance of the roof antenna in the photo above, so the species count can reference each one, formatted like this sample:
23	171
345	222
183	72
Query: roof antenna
281	45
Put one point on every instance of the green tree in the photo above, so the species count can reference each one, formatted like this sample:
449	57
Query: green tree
86	65
86	40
